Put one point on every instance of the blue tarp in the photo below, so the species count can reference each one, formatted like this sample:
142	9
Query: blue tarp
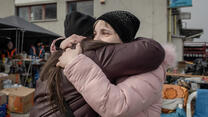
179	113
201	107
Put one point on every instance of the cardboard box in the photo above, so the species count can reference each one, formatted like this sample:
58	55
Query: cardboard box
3	98
15	78
20	100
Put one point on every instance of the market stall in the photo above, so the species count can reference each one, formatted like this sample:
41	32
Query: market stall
19	73
24	33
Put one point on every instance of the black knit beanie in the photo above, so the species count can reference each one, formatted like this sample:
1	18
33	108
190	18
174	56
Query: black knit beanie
124	23
78	23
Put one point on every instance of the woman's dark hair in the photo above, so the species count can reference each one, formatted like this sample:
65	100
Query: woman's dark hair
54	75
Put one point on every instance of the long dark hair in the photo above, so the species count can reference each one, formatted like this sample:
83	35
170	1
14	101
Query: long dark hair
54	75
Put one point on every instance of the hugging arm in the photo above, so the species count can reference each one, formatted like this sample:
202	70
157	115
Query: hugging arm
140	56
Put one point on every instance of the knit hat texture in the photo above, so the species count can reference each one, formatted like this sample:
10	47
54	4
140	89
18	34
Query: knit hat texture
124	23
78	23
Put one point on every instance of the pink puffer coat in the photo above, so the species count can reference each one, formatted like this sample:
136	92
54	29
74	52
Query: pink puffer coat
133	96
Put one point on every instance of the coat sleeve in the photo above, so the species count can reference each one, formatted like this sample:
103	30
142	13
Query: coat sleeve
128	98
137	57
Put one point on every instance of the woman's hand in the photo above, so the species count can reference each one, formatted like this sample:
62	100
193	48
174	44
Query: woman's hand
68	56
53	47
73	39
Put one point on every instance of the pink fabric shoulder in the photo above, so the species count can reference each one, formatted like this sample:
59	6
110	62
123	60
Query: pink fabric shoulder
135	96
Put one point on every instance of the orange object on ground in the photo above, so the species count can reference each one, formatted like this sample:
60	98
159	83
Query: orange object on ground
172	92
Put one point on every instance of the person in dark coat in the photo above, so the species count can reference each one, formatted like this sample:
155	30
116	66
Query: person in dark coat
73	23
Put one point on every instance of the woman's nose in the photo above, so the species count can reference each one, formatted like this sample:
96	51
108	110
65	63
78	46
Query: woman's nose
97	37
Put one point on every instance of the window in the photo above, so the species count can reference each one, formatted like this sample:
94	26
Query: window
23	13
50	11
85	7
37	12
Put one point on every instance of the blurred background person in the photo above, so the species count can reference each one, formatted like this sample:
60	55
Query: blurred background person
40	49
32	50
10	50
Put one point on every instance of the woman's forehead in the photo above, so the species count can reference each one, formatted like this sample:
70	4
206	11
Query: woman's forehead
101	23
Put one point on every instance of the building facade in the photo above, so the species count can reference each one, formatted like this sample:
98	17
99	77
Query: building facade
152	14
50	14
7	8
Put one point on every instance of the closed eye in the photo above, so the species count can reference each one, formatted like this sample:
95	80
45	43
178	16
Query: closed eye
105	32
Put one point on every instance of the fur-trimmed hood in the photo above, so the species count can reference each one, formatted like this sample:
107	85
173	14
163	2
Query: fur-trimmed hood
170	56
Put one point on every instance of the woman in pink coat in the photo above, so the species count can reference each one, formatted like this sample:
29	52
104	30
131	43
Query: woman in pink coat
132	96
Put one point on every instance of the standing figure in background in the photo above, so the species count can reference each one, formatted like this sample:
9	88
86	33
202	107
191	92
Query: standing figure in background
40	50
10	51
32	50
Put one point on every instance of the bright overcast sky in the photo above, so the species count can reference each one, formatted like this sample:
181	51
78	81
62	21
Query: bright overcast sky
199	17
